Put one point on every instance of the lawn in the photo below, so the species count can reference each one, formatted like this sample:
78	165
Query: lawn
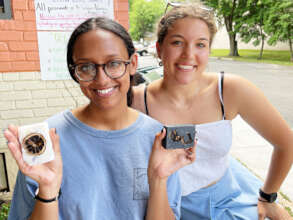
269	56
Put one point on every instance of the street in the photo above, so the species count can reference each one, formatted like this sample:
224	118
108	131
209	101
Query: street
275	81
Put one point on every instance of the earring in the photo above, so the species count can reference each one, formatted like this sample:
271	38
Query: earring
161	63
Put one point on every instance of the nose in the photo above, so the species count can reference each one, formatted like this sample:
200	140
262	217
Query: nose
188	51
101	76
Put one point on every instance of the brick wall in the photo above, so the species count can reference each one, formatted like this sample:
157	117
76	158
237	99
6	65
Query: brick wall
24	97
18	37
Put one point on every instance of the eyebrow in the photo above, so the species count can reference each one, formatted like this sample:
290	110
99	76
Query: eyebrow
113	57
180	36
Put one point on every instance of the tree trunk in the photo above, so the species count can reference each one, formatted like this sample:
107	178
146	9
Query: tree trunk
232	36
291	49
290	44
233	45
262	44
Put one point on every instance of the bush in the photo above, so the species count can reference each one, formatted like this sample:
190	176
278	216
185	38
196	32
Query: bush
4	209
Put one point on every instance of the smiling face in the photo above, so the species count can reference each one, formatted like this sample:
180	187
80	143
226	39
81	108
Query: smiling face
185	50
99	47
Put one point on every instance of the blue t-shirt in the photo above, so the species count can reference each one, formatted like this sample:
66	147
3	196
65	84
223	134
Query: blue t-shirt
104	172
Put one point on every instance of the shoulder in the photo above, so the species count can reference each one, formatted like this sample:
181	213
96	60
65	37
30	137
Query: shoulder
235	86
58	119
150	124
138	98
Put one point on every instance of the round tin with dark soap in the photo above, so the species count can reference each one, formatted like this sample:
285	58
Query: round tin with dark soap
34	143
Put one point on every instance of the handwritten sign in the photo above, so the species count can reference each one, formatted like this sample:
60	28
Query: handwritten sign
60	15
52	47
56	19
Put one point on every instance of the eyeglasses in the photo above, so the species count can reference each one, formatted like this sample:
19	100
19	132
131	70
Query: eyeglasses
178	4
87	71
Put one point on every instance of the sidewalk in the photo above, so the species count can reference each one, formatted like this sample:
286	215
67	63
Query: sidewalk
255	153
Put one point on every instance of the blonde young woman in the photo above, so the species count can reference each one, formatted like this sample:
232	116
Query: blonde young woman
214	187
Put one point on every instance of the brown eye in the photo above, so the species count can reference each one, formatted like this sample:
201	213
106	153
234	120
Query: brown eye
34	143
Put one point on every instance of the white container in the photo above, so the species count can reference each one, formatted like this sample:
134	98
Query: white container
36	143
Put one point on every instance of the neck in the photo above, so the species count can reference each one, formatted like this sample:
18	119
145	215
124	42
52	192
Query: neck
179	94
113	119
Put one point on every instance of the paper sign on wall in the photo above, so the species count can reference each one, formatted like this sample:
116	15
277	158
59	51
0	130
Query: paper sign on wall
55	20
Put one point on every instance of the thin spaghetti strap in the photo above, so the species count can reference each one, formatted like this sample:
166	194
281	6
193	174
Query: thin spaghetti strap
221	88
145	100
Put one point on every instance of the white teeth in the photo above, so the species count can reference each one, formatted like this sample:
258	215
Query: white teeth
105	91
185	67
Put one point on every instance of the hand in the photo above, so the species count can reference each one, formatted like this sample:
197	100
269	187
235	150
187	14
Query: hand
164	162
47	175
272	211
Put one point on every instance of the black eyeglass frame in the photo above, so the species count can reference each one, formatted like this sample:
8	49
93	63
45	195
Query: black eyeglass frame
103	65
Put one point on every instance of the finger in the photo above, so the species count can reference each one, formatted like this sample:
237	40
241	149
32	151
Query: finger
159	137
261	215
191	154
13	129
17	155
11	138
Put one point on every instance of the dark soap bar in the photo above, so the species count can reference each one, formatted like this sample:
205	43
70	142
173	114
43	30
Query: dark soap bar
179	136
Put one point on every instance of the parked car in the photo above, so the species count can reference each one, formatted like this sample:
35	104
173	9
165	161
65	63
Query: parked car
152	49
141	49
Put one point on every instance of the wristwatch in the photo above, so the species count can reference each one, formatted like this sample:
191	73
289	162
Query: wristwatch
268	197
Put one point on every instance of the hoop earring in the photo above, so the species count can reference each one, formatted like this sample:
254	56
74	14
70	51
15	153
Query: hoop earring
161	63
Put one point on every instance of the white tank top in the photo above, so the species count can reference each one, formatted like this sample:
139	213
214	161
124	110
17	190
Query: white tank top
213	146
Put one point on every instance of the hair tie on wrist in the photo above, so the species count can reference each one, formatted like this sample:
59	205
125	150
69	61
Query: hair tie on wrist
49	200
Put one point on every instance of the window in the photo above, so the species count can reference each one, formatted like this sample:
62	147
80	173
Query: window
5	9
4	186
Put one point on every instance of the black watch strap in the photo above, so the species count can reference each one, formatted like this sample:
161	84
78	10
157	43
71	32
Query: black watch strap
48	200
268	197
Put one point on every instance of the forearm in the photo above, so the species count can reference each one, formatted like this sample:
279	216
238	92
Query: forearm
280	165
158	205
43	210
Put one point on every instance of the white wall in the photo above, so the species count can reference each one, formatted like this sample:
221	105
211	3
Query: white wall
221	41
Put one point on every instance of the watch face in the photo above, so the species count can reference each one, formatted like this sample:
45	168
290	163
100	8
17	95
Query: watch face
273	197
34	143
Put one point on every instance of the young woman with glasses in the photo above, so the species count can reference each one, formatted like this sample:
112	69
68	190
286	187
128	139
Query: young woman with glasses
110	170
214	186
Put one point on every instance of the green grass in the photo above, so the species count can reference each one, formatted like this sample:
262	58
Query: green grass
4	209
289	211
269	56
285	197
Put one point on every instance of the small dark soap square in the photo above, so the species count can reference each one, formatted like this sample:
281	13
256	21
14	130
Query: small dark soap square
179	136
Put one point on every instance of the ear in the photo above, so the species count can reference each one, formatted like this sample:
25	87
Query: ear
133	64
158	49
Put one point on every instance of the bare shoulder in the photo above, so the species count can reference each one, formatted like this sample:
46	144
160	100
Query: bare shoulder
238	94
138	97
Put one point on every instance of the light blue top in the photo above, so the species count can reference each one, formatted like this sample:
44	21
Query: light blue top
104	172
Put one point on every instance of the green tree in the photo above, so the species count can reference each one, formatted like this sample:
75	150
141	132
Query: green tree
143	16
230	11
251	25
279	22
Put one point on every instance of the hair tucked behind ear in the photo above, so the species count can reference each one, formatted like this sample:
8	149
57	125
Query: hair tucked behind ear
107	25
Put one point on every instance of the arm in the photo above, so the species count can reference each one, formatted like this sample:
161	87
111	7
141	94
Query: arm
162	164
48	175
256	110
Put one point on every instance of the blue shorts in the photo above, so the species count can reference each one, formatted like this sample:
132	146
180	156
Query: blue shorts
233	197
